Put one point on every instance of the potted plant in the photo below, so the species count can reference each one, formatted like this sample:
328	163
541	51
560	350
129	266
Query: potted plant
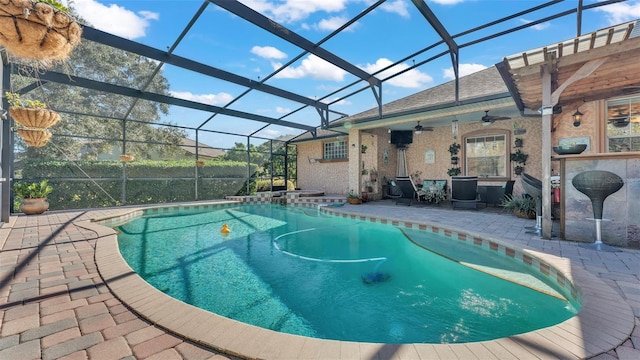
518	142
363	149
524	207
520	158
33	196
454	171
454	160
454	149
517	129
352	198
38	30
33	118
373	175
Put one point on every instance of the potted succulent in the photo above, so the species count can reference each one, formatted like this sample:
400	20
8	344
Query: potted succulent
524	207
352	198
33	196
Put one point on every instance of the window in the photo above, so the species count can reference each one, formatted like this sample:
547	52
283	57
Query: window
334	150
486	155
623	124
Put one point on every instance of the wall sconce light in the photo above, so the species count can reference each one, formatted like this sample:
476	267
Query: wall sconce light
577	117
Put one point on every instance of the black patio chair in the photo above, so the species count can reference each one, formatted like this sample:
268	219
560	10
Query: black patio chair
408	190
464	192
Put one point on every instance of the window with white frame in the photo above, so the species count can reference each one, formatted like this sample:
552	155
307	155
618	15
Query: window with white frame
486	155
335	150
623	124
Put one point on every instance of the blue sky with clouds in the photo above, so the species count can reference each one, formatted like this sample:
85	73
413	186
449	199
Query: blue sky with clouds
391	32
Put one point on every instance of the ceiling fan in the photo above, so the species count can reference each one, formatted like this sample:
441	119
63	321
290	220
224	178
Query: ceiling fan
620	119
489	119
419	128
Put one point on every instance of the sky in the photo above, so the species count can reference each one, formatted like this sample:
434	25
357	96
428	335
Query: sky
391	32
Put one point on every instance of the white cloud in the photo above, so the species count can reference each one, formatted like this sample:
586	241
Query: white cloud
313	67
289	11
268	52
538	27
411	79
447	2
332	23
211	99
463	70
621	12
115	19
282	110
270	133
398	7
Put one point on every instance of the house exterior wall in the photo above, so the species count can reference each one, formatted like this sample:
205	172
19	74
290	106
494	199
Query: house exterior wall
330	177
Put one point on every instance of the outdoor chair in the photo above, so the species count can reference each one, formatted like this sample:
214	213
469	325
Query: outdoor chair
497	194
464	192
408	189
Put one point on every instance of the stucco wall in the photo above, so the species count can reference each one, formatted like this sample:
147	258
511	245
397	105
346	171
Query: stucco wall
332	177
328	177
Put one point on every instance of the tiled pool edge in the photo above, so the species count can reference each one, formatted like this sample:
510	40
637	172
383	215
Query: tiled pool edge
604	322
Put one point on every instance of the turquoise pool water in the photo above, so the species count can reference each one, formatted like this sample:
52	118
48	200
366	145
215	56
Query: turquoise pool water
299	272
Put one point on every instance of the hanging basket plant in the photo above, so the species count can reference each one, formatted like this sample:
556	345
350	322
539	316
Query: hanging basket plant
38	30
34	136
31	113
34	118
127	158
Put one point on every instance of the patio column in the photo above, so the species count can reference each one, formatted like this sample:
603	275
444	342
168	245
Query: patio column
547	113
354	160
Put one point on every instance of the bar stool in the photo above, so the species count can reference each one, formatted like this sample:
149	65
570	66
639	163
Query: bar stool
598	185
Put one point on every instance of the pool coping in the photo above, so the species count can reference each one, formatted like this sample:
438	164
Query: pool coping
604	322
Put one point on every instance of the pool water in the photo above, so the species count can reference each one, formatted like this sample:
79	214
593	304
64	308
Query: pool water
300	272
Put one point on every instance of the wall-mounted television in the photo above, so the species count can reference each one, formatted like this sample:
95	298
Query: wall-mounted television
401	137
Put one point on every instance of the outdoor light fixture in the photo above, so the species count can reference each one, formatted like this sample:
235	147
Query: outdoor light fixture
577	117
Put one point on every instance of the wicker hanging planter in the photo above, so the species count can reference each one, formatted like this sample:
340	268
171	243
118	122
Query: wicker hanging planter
34	118
127	158
36	30
35	137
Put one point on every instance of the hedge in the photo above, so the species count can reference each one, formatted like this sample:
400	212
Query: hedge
216	180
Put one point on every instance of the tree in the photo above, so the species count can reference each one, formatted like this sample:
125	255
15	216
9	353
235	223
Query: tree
82	136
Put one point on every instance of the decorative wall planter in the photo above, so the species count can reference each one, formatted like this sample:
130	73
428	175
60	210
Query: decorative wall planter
37	31
35	137
34	206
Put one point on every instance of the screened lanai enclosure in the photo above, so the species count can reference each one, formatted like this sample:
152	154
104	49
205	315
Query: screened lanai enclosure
128	135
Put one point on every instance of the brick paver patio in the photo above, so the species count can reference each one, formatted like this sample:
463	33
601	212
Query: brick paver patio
55	305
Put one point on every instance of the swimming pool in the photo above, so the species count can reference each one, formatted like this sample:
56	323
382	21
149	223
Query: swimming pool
318	289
